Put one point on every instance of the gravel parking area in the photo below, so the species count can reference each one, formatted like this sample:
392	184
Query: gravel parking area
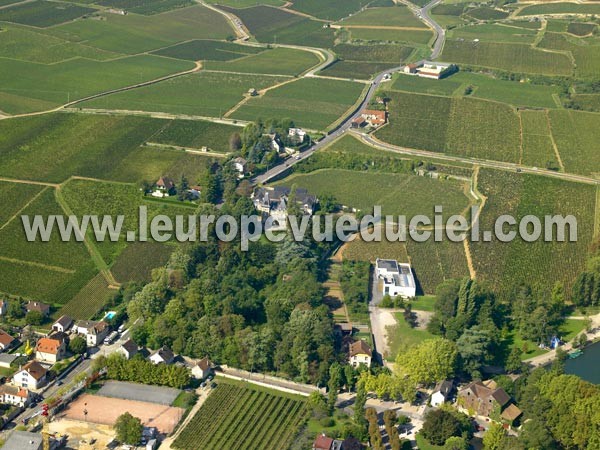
139	392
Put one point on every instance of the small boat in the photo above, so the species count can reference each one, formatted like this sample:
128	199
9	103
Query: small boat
575	354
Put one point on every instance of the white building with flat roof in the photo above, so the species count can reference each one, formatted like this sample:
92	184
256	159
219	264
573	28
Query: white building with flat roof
398	279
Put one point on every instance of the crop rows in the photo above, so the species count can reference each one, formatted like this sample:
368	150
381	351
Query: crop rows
235	417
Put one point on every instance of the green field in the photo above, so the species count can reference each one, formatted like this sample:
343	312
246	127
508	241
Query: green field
41	13
494	32
276	25
328	9
32	87
560	8
138	260
402	337
386	35
311	102
278	61
384	189
577	136
14	198
241	416
209	94
484	87
387	53
136	33
208	50
537	139
32	45
581	29
510	57
435	262
504	265
395	16
355	70
89	300
587	55
146	6
462	126
486	13
586	102
196	134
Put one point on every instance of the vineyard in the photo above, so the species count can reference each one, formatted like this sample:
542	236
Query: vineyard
43	14
138	260
208	50
89	300
359	250
242	417
537	140
539	264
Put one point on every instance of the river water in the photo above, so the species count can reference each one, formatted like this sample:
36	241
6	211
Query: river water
587	366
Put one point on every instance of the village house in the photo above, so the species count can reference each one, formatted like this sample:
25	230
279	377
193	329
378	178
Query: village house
433	70
202	369
411	68
240	165
252	92
273	201
13	395
39	307
296	135
163	355
6	359
374	118
51	349
31	376
62	324
441	393
128	349
6	340
485	398
358	122
322	442
359	352
164	187
397	278
94	332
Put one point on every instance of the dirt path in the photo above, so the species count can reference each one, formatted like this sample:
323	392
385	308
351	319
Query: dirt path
334	295
195	151
554	146
472	272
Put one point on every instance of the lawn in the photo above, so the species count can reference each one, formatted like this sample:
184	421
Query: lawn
135	33
504	265
395	16
311	102
33	87
278	61
402	336
424	303
509	57
241	415
208	94
461	126
387	190
43	13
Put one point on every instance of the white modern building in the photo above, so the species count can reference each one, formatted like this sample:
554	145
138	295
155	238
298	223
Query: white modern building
398	279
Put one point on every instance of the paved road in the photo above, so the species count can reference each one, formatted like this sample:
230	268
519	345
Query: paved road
346	123
368	139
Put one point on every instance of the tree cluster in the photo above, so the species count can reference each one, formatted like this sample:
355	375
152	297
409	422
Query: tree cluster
139	370
443	424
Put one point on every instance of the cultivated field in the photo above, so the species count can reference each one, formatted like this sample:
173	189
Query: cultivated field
146	6
208	50
586	53
462	126
537	139
510	57
536	263
138	260
196	134
27	87
359	250
42	13
329	10
494	33
560	8
386	35
241	416
209	94
106	410
310	102
384	189
395	16
89	300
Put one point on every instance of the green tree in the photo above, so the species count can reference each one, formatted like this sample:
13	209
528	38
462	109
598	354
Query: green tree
431	361
456	443
128	429
495	438
441	424
335	382
34	318
474	348
514	361
77	345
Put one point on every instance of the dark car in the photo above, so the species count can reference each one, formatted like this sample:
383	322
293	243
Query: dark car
213	385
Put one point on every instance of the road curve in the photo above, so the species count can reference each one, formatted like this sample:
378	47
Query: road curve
346	123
